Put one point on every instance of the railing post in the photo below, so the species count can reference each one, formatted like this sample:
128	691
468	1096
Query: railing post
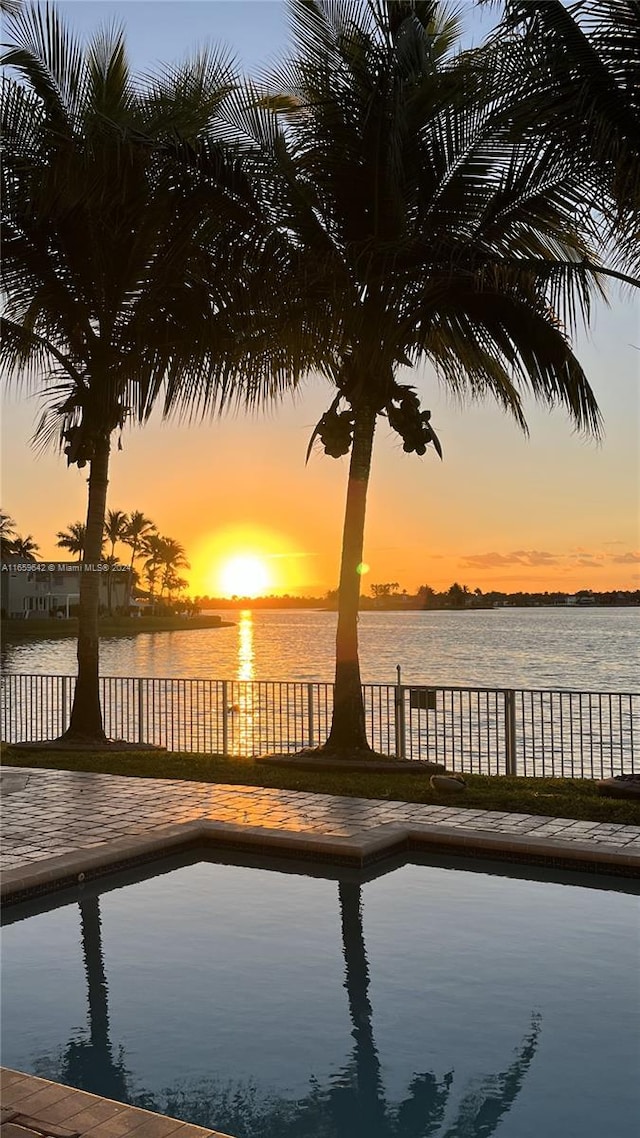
64	719
399	716
225	717
310	723
510	732
140	702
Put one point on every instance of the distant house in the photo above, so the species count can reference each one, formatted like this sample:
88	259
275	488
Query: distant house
36	589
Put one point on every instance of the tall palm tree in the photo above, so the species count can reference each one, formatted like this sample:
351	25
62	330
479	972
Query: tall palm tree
73	539
438	237
124	260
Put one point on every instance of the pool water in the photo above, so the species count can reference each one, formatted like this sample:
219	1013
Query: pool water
429	1001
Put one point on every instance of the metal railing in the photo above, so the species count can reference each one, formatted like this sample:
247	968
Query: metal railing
572	734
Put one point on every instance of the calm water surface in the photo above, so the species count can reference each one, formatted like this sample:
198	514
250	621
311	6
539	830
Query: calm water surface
432	1001
591	648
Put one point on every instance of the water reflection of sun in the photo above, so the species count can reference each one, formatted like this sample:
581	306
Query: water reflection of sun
245	646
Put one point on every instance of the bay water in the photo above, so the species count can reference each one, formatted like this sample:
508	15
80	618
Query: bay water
596	649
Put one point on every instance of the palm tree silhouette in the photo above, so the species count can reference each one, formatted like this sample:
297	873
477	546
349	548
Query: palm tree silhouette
25	547
7	534
138	528
129	227
581	64
73	539
114	530
437	236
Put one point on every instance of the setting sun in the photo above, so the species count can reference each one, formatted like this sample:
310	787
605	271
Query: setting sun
245	576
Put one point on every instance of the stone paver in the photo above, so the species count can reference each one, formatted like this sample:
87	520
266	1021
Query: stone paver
47	813
37	1108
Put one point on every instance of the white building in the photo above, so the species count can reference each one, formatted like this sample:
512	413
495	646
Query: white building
36	589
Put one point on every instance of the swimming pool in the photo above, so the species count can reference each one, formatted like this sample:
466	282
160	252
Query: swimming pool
432	1000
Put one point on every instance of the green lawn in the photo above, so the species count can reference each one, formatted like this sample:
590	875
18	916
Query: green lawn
562	798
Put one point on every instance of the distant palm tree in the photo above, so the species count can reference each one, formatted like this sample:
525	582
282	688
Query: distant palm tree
73	539
438	237
136	530
26	547
115	527
152	549
114	530
7	534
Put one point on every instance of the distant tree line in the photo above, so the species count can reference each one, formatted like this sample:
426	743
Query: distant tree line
155	561
455	597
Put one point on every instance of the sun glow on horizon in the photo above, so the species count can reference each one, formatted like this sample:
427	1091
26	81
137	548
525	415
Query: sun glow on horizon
248	560
245	575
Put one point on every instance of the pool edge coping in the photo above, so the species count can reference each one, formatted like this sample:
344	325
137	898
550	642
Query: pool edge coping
361	849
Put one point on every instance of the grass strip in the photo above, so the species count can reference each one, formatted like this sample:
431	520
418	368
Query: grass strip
555	797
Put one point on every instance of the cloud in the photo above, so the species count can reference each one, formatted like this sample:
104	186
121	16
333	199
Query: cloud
586	558
530	557
627	559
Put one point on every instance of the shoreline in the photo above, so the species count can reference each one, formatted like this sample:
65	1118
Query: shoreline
15	630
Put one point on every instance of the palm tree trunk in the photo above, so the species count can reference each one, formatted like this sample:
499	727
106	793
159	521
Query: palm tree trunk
86	713
348	731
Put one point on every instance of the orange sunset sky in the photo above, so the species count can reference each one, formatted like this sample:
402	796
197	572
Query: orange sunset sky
551	512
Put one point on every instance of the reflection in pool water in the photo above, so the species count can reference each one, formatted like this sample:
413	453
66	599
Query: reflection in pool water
474	1096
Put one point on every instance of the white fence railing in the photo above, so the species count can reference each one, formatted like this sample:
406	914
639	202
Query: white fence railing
572	734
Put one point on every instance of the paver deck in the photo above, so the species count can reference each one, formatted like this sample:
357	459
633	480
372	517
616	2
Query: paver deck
49	816
57	823
38	1108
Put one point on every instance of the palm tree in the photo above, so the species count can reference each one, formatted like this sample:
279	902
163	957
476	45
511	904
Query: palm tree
7	534
73	539
25	547
165	556
138	528
580	73
438	237
114	530
124	259
115	527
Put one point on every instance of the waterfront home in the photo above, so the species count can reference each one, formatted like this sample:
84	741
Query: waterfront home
36	589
